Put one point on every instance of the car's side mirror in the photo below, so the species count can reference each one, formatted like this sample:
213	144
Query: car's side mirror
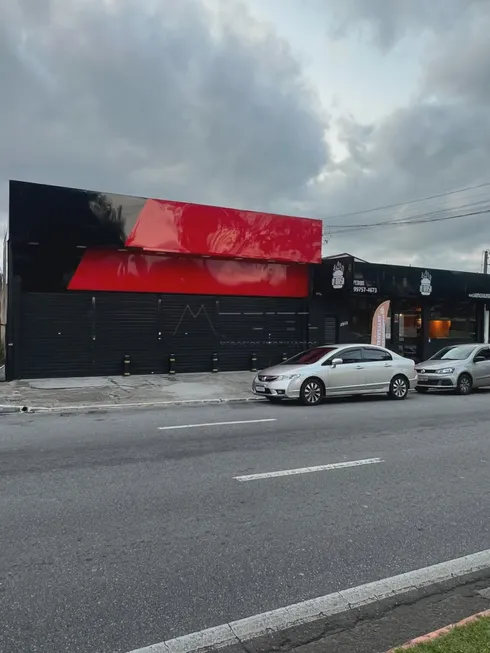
337	361
479	359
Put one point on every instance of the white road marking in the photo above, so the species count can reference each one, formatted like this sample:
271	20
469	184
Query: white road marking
195	426
308	470
322	607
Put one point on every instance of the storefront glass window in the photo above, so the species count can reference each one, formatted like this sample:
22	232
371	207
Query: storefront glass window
453	321
410	324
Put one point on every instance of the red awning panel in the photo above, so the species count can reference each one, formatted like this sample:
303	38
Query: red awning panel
114	270
199	230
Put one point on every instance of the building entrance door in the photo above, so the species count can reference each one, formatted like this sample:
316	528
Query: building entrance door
410	336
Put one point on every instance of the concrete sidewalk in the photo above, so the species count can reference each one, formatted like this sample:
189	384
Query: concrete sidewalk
51	395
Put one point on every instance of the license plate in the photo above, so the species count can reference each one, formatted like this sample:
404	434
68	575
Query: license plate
259	388
423	377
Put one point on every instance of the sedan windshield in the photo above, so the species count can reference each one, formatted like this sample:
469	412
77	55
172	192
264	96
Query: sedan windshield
310	356
458	353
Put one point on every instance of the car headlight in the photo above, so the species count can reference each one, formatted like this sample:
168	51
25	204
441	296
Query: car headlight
288	377
445	370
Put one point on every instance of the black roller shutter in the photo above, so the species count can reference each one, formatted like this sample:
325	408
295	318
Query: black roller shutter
126	323
267	327
330	329
242	332
189	329
287	328
84	334
56	335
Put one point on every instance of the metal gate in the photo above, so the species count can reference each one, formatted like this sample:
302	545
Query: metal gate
55	336
88	334
267	328
331	329
188	329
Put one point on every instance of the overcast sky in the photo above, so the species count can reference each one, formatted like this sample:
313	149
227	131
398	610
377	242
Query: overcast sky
309	107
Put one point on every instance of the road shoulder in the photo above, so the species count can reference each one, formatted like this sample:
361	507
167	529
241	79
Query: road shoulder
384	625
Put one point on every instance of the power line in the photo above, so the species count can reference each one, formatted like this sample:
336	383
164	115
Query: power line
414	201
413	222
415	219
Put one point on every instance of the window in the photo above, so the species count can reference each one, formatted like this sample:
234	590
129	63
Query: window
409	319
485	353
453	321
410	325
351	356
376	355
454	353
310	356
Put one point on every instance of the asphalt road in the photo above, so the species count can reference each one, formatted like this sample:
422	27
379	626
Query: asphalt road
115	534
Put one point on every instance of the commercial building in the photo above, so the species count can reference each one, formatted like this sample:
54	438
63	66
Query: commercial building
413	311
94	279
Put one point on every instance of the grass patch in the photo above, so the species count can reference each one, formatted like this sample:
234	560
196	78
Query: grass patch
472	638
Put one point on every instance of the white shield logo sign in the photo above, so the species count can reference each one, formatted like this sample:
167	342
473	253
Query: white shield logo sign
425	283
338	279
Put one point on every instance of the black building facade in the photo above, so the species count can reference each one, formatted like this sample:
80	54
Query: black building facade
428	308
96	277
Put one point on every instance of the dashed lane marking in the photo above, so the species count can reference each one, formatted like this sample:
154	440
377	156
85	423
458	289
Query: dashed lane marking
308	470
195	426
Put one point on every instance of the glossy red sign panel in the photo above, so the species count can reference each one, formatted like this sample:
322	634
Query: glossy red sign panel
114	270
182	228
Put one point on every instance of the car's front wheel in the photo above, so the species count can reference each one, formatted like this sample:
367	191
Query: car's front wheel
465	384
312	392
399	388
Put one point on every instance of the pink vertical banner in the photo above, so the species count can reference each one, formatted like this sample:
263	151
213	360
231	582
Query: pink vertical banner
378	330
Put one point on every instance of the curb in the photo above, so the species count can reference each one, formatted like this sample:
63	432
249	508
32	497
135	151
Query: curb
438	633
9	410
146	404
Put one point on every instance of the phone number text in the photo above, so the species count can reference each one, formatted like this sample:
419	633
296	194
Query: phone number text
364	289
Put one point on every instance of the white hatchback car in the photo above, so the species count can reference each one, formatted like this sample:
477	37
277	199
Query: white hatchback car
337	370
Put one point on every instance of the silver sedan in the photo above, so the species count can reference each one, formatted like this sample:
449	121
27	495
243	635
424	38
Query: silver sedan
337	370
458	367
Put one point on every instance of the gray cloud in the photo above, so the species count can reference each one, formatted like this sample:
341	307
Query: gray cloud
440	142
422	150
155	98
385	23
460	68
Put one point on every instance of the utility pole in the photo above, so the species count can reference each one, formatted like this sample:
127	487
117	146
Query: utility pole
486	312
